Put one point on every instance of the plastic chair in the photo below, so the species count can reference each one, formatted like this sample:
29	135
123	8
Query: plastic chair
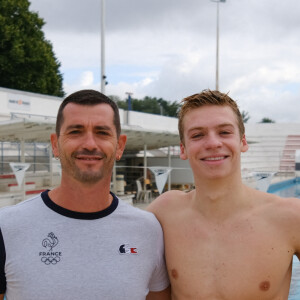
141	194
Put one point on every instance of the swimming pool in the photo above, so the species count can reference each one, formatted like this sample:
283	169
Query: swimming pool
290	188
287	188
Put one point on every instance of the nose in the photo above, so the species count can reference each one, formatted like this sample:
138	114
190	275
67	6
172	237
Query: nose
213	141
89	141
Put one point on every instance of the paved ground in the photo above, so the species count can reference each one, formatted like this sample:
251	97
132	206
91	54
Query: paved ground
141	205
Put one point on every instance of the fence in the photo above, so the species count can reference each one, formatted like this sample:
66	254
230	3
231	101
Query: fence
266	153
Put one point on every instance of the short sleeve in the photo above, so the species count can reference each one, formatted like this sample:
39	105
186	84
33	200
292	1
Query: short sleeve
159	280
2	265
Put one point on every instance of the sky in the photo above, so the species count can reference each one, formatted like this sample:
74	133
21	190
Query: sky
167	49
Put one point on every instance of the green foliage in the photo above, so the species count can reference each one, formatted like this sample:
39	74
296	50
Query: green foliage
245	116
150	105
266	120
27	61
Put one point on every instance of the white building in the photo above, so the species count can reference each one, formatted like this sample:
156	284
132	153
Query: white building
28	119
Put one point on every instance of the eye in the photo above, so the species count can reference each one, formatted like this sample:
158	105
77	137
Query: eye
197	135
74	132
225	132
102	132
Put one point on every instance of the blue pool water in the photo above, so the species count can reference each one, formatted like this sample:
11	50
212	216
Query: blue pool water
290	188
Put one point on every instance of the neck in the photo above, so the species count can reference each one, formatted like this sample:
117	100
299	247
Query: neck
81	197
219	198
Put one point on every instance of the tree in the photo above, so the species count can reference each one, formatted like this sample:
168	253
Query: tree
27	61
245	116
266	120
150	105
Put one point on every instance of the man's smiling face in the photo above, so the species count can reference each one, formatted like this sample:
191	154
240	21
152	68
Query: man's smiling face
212	141
88	144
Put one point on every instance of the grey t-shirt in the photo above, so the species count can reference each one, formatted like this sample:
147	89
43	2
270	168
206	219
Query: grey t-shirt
48	252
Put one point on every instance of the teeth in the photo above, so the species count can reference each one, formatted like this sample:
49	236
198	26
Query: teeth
215	158
89	158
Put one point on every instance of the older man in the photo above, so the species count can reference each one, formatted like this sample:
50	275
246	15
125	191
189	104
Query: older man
79	241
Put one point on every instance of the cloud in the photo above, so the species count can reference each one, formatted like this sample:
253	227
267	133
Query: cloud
167	49
87	79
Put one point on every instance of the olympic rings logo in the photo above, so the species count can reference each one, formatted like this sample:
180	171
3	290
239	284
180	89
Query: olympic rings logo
50	260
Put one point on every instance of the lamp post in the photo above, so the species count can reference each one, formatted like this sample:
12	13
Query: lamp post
129	100
129	106
103	77
217	44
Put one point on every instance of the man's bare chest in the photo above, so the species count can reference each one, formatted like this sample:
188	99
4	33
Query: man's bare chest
240	258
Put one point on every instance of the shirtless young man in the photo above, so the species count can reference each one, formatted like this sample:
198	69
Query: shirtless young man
224	240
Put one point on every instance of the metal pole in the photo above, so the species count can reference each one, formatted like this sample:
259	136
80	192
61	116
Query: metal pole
23	192
129	100
217	44
169	164
103	77
217	50
128	107
2	158
145	166
34	157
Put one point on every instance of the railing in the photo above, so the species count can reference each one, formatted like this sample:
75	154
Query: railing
35	153
265	154
34	117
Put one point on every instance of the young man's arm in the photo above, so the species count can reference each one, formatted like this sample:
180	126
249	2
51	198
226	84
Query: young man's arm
294	223
1	296
162	295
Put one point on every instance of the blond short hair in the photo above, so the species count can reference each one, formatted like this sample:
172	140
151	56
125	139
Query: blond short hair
208	97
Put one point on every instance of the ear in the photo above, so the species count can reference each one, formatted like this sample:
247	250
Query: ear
121	146
54	143
244	144
183	154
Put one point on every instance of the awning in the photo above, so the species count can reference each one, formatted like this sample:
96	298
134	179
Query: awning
27	130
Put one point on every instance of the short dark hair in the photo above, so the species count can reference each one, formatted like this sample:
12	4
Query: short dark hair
208	97
88	97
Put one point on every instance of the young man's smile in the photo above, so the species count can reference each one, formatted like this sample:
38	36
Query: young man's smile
215	159
213	146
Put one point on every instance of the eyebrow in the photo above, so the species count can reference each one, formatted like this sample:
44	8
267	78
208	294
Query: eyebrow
218	127
79	126
225	125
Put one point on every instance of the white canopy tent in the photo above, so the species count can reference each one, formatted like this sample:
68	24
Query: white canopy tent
31	130
19	130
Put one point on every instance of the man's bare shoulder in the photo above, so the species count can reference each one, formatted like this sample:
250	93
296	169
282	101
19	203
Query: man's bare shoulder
281	205
282	212
288	209
170	201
